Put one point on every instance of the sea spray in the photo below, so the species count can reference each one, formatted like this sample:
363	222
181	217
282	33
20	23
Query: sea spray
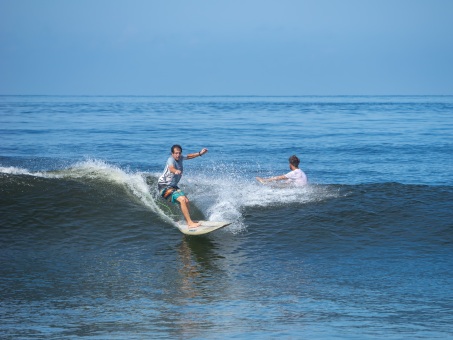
225	191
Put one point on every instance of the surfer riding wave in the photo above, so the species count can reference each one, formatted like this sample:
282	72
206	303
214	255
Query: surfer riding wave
168	181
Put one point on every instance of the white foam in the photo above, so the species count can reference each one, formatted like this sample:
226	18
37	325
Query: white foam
11	170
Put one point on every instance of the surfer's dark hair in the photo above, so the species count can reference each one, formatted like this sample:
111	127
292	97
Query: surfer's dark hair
176	146
293	160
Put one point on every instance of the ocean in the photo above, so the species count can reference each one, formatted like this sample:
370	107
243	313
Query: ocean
365	251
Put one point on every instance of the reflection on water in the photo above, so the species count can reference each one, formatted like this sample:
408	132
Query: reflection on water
198	264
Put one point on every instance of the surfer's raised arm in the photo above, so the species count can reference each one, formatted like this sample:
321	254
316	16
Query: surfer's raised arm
196	154
296	176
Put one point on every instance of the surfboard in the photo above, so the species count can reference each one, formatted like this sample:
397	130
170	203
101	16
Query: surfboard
204	228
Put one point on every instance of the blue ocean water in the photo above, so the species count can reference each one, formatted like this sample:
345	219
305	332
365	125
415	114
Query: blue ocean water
364	251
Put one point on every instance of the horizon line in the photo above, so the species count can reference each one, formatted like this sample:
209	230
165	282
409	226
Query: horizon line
225	95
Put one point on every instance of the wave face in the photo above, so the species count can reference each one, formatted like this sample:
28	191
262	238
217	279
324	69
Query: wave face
88	197
95	187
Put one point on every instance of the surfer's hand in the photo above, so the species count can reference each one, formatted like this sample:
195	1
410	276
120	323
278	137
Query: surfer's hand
203	151
259	179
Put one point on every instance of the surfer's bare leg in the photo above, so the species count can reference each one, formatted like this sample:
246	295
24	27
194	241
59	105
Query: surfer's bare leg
184	203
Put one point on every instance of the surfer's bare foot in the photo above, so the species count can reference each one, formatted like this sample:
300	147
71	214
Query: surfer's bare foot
193	225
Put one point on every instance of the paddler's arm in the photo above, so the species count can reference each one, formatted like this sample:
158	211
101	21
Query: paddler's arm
271	179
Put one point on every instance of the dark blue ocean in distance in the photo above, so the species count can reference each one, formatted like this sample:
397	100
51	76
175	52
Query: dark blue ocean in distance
365	251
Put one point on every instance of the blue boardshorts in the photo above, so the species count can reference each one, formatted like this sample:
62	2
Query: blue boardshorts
171	194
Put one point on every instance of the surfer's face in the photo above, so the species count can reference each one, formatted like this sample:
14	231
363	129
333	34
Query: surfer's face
177	154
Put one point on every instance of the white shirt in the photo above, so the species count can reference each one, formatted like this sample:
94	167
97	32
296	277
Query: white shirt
296	177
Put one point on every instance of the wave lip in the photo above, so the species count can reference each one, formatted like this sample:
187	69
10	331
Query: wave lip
12	170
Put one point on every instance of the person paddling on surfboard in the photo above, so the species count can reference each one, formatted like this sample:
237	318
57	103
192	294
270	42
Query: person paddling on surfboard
168	181
295	177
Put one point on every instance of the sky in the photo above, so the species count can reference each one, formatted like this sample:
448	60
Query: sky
226	47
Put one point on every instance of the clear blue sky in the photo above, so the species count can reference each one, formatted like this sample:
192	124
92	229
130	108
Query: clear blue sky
226	47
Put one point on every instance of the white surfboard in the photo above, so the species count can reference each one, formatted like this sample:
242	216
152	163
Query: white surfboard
204	228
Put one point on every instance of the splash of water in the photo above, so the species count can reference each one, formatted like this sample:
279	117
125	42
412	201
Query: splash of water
225	191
